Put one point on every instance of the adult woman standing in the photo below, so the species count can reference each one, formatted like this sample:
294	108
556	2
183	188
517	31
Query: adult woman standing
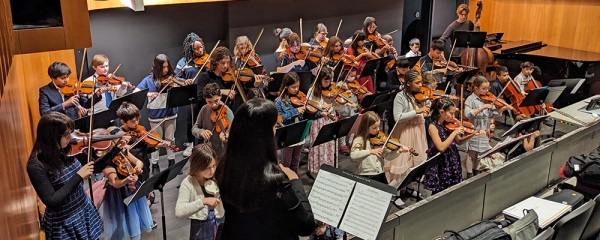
263	199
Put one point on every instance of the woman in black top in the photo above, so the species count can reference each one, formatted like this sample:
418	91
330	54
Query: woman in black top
58	181
262	199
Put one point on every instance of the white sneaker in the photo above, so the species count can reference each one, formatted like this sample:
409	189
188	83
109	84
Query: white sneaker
188	150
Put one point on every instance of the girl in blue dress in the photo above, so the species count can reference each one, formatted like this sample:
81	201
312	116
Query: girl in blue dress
58	181
121	221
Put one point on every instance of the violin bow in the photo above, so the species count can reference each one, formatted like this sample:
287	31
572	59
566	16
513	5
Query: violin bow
148	132
334	67
252	49
448	64
91	135
301	38
79	80
338	29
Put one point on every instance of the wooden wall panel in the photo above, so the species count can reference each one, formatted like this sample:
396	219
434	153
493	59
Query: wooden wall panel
563	23
6	42
76	21
95	5
19	115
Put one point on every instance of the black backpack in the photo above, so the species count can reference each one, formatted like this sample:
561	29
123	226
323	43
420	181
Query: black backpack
586	169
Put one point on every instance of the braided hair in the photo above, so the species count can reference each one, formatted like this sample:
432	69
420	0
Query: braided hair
188	45
410	76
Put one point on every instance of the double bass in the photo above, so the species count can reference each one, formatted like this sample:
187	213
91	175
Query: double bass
477	57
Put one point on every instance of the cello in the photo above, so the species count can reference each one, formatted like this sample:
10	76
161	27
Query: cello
477	57
514	95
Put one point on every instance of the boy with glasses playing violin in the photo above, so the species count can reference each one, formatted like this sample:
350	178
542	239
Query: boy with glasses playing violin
52	99
209	117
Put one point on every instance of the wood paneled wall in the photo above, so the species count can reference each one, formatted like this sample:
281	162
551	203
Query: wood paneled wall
562	23
6	42
19	115
95	5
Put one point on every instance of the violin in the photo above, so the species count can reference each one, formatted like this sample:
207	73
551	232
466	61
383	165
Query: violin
100	141
200	61
393	144
219	117
490	98
331	91
361	89
111	79
468	126
152	139
85	87
365	50
252	59
171	81
345	58
244	75
299	100
377	39
307	53
425	94
124	168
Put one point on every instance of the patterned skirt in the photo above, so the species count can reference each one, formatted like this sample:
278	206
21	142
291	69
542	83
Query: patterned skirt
322	154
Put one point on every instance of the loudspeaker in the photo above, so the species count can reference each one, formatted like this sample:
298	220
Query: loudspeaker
416	23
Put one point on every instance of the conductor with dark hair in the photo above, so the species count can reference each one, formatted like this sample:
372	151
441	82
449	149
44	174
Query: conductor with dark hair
262	199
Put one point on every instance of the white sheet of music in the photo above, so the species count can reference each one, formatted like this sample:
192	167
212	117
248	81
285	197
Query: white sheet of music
366	211
329	196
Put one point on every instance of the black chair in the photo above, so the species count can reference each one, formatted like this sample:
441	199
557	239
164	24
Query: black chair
592	228
545	235
571	226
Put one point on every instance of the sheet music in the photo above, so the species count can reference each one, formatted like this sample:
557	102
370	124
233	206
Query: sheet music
329	196
578	86
159	102
366	211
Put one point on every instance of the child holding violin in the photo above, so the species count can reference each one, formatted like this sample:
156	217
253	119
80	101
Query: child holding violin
290	113
124	221
334	52
376	44
480	114
287	61
159	76
324	153
361	55
214	118
243	51
55	98
525	75
435	57
58	181
194	57
221	62
198	197
502	78
409	115
367	150
346	106
448	171
101	77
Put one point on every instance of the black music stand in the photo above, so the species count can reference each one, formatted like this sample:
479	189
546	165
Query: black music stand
412	61
102	119
157	182
524	126
414	175
276	83
369	100
136	98
536	96
504	147
373	67
469	39
291	134
182	96
460	78
306	80
572	86
333	131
